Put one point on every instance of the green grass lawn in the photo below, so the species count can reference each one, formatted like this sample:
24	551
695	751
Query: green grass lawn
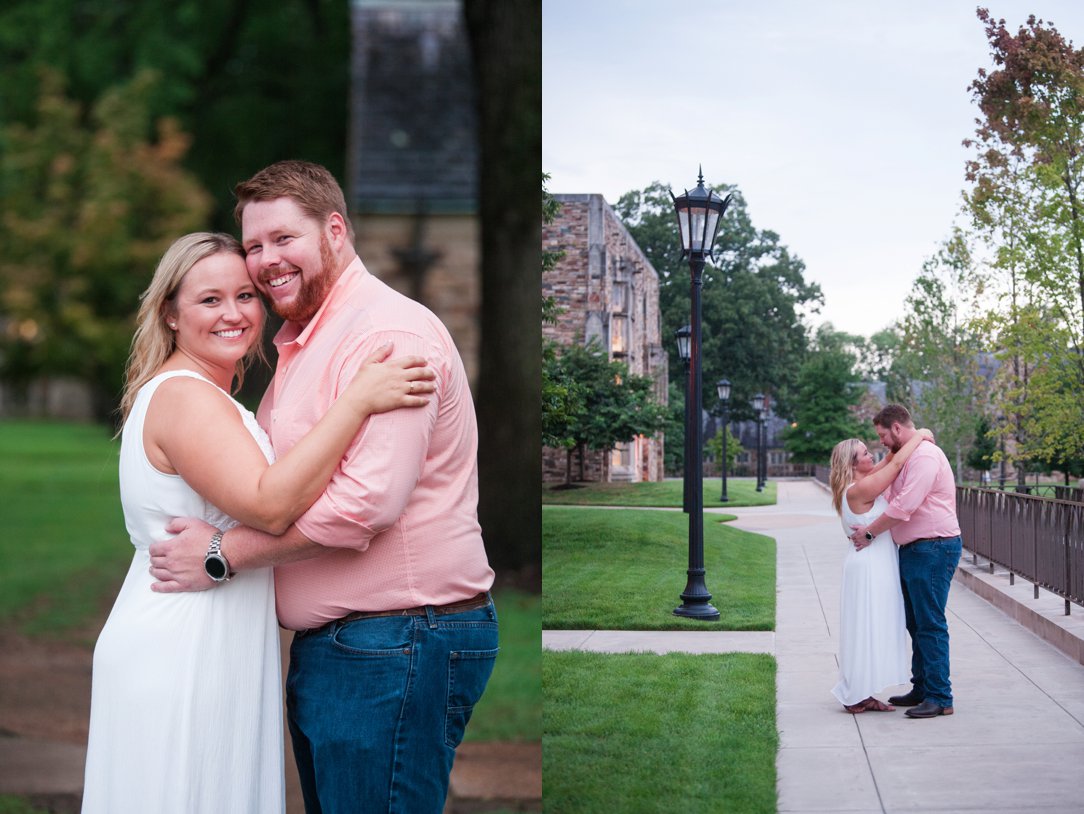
647	733
511	708
669	493
65	551
11	804
616	569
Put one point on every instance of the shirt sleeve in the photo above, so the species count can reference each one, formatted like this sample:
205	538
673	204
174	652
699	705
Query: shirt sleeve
371	488
919	474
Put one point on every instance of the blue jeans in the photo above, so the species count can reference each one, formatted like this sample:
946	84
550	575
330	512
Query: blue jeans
376	708
926	569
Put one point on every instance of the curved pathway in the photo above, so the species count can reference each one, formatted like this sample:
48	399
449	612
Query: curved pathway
1015	744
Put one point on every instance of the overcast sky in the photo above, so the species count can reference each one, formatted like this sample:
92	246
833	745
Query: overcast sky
841	121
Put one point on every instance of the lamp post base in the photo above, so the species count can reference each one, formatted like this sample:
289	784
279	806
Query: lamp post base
696	601
704	611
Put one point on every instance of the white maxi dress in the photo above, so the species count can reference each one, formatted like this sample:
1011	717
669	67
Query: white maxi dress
186	700
874	648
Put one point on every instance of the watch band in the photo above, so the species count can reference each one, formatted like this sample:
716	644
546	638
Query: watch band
214	562
216	543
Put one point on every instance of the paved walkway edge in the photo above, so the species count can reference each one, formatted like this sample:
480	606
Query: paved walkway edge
1044	616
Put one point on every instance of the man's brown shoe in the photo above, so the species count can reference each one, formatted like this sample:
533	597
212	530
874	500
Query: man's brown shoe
911	699
928	709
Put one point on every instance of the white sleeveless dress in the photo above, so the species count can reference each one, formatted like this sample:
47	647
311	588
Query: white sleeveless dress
186	699
874	650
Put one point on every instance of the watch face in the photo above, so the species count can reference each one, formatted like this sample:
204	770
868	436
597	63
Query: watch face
215	567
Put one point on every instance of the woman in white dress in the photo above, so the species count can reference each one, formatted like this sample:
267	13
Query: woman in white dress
186	700
873	646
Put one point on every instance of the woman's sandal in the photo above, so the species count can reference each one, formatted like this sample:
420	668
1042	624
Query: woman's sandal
854	709
873	705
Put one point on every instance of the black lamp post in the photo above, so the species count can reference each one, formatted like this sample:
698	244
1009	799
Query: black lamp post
758	416
763	448
1001	471
698	214
684	335
722	388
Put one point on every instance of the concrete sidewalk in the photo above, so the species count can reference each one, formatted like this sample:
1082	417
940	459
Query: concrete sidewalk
1015	744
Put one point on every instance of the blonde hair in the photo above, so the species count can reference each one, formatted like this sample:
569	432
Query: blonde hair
844	455
153	342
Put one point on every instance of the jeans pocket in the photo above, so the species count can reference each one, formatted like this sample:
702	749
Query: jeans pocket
380	637
468	674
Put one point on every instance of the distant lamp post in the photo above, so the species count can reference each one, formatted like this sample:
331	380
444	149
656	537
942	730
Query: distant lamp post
758	416
722	389
763	449
698	214
1001	471
684	336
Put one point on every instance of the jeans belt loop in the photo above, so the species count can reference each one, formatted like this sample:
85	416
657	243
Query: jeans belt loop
431	615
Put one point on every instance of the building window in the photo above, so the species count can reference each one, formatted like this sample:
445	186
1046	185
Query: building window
621	456
619	302
619	335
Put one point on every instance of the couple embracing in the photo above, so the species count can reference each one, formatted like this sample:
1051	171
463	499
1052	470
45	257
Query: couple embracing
348	504
900	515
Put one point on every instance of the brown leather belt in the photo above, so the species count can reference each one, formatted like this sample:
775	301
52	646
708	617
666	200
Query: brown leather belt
475	602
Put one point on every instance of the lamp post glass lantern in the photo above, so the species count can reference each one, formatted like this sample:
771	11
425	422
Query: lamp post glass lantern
698	213
722	389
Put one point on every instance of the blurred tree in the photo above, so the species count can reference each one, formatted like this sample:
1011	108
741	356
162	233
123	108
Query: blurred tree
754	298
825	400
714	446
506	45
674	429
252	82
1028	197
941	351
983	448
92	198
616	407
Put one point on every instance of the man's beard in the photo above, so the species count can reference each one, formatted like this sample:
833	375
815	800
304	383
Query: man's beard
314	289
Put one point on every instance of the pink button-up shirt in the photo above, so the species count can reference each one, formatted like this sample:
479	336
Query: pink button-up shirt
400	515
923	496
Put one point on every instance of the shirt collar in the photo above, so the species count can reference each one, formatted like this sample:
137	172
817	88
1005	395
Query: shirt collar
336	298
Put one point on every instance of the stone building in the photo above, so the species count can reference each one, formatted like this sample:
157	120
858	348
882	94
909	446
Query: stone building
609	292
412	163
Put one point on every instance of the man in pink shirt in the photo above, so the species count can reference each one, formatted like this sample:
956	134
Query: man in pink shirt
385	577
921	515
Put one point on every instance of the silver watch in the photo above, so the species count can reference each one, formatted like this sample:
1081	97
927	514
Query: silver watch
215	563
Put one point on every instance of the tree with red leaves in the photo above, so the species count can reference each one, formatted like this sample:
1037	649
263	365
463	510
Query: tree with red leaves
1028	176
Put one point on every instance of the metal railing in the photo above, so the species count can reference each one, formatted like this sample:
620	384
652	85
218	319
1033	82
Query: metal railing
1039	538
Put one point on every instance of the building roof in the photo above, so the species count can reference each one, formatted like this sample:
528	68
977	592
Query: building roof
413	124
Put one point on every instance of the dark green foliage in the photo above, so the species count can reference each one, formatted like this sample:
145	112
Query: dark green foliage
751	301
606	404
981	454
252	82
825	400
